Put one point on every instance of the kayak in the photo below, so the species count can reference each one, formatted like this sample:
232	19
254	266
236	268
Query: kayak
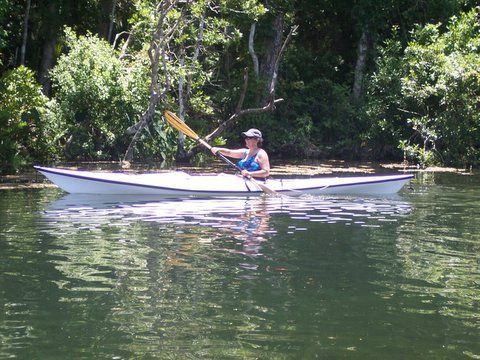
178	183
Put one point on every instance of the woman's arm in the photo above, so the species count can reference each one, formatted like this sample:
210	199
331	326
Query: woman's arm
233	153
262	158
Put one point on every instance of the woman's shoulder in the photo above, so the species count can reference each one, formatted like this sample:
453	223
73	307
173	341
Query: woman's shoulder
262	152
262	155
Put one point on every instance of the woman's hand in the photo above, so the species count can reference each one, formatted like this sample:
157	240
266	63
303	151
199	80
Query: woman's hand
246	174
214	150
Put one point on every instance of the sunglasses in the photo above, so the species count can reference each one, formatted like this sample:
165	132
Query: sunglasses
250	137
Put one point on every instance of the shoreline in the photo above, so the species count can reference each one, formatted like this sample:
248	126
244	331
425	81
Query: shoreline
31	179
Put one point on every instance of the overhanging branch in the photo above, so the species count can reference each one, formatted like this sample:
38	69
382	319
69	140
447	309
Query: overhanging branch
239	112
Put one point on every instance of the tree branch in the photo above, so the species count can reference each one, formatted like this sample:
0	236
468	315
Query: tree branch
251	50
156	50
277	61
118	36
239	113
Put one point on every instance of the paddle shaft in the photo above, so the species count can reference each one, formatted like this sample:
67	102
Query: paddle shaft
219	154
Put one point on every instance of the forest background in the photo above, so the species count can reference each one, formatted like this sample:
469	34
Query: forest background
350	79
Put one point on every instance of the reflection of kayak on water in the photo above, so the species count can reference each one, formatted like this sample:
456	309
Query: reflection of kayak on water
182	184
215	212
158	206
110	208
249	220
246	219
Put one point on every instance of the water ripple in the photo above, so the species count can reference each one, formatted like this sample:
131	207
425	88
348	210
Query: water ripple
90	212
126	277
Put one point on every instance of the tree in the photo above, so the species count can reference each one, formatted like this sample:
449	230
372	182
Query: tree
11	15
23	134
185	49
436	79
96	96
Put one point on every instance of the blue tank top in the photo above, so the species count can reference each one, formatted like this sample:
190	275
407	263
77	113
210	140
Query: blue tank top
249	164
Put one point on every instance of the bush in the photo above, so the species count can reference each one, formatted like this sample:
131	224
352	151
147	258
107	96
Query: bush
426	97
24	137
97	97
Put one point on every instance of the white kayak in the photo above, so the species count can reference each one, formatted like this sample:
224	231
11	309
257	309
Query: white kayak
177	183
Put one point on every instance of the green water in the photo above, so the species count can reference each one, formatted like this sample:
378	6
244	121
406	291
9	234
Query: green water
232	278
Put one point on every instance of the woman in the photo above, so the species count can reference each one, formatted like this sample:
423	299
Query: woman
254	160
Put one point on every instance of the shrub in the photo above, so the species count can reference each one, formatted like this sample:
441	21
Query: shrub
97	97
426	97
24	137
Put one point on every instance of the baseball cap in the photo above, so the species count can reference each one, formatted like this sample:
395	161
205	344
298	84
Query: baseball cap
255	133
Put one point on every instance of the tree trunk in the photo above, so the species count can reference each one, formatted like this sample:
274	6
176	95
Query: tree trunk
267	68
357	90
239	111
48	51
123	52
156	52
145	119
185	87
112	21
48	58
196	53
105	18
251	50
23	48
181	153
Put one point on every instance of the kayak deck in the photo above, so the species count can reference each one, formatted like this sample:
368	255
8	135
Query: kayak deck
180	183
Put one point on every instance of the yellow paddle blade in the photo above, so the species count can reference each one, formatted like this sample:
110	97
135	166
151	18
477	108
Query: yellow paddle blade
178	124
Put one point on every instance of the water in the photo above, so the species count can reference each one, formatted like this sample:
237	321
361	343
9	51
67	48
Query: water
310	277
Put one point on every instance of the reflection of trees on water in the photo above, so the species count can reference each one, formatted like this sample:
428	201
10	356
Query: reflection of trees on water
431	266
151	255
21	270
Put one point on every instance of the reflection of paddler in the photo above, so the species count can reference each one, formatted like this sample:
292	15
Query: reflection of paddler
254	225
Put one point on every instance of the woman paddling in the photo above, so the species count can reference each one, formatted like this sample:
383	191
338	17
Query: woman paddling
254	160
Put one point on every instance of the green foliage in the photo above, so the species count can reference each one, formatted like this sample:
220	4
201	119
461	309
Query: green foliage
157	142
24	137
97	96
317	117
10	29
384	103
421	96
435	88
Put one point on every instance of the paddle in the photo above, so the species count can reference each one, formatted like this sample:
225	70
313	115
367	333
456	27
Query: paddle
178	124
